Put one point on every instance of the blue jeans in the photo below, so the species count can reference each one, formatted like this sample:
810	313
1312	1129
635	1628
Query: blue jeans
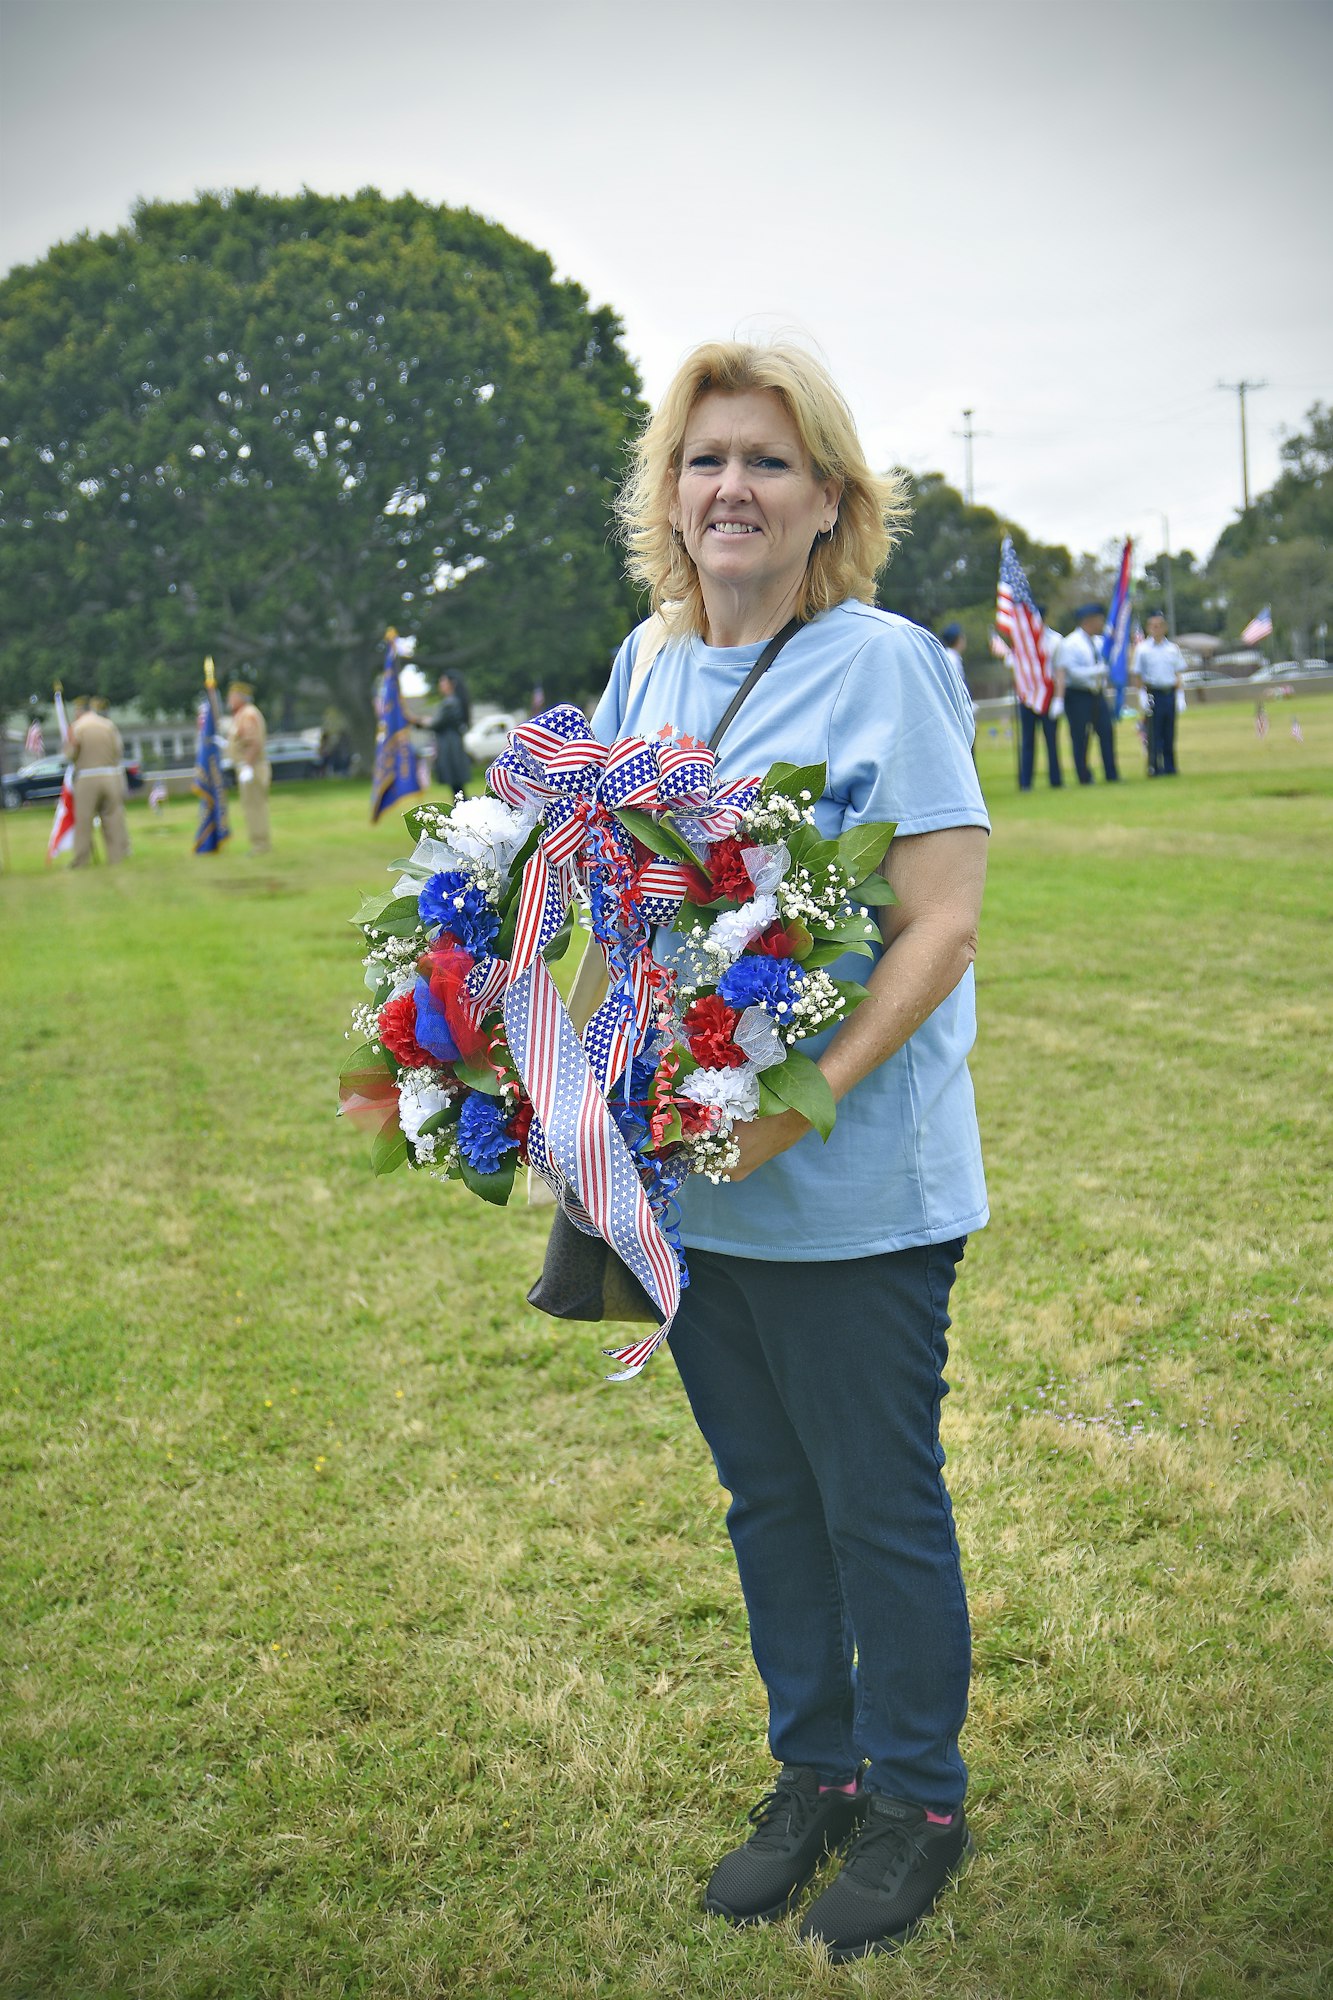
817	1388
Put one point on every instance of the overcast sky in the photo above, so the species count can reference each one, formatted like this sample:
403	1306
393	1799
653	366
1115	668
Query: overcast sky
1074	219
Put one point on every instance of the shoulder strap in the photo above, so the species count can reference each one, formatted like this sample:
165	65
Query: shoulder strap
756	673
651	641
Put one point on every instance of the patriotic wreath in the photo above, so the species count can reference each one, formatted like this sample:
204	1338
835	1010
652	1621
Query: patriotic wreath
466	1063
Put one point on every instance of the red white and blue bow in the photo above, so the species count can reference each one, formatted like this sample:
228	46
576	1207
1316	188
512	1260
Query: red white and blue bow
579	784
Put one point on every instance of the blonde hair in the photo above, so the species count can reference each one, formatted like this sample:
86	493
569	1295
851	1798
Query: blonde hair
872	512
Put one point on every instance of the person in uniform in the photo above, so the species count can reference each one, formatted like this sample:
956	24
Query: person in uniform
94	748
1159	667
1080	683
247	746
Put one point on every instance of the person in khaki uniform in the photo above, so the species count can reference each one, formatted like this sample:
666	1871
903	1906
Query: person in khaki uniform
247	740
94	748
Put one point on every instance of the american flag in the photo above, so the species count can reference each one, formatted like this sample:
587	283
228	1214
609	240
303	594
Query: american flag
1258	628
1260	722
34	744
1019	624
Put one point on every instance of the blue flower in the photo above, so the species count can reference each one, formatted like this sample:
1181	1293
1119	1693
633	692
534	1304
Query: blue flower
454	901
482	1136
759	981
432	1027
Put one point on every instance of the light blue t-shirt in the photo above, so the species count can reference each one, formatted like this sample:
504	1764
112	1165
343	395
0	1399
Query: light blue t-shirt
876	699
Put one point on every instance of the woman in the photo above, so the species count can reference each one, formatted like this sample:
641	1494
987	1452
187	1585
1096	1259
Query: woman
453	766
811	1338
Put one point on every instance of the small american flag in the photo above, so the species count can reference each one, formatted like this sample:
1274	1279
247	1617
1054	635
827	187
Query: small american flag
1260	723
1298	732
33	743
1020	625
1258	628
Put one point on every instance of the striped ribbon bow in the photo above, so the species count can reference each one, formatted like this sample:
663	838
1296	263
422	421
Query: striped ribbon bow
579	784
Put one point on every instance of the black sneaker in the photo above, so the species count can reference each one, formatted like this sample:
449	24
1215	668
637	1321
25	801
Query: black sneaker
894	1873
796	1825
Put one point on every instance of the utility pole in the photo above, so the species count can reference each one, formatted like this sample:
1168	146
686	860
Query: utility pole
967	435
1167	582
1240	389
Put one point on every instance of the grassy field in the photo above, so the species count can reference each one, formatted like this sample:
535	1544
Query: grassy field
359	1639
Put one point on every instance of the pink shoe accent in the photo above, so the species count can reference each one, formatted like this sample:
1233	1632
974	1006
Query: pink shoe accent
938	1819
850	1789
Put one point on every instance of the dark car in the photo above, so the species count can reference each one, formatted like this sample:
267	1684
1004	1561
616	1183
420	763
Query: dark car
41	780
288	756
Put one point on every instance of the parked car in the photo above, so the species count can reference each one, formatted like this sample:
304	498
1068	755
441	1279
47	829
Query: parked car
289	756
41	780
487	737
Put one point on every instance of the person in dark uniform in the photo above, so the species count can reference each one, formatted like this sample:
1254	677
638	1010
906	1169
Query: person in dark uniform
453	766
1080	682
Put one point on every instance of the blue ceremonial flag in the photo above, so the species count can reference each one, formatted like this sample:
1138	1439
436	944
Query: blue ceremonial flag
1115	639
208	787
395	760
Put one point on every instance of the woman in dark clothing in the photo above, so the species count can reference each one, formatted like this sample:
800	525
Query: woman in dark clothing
453	766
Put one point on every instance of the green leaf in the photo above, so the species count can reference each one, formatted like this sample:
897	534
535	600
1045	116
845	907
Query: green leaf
802	1086
793	779
853	929
439	1119
495	1187
371	907
382	991
801	941
769	1101
388	1150
862	848
365	1056
481	1076
559	944
829	954
400	918
853	993
657	836
872	889
416	869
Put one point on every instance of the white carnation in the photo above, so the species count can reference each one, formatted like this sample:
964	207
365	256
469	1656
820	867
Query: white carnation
418	1100
735	1092
735	929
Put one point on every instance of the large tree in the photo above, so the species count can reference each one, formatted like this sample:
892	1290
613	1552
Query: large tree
265	428
945	570
1279	551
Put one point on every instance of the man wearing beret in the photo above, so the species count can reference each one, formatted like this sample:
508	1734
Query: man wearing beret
94	748
247	745
1080	683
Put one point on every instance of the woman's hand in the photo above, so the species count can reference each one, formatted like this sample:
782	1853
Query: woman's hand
762	1139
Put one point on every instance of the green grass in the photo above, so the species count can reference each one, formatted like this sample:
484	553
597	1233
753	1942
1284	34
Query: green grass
358	1639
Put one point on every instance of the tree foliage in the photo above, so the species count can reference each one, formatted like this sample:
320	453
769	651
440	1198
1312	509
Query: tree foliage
1280	549
264	428
945	570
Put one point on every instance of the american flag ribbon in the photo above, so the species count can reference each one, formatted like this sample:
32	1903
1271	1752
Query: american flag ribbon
580	785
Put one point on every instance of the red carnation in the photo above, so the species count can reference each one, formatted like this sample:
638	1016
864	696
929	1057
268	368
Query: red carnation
696	1119
709	1027
727	871
398	1032
518	1126
772	943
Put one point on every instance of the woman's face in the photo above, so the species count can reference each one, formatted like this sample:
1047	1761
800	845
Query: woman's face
747	503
